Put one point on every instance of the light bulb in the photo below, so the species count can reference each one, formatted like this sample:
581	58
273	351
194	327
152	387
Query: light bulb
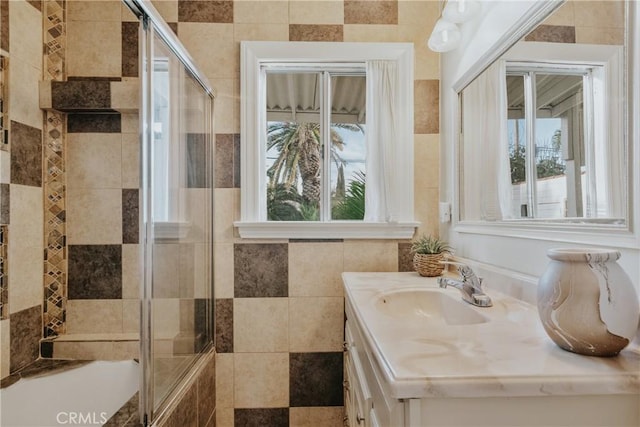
458	11
445	36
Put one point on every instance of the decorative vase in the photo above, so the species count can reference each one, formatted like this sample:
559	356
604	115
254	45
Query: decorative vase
428	265
587	303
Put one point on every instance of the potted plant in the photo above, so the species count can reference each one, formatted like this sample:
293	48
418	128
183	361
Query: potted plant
429	252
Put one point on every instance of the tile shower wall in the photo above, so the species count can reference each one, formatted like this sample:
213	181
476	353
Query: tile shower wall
21	205
279	303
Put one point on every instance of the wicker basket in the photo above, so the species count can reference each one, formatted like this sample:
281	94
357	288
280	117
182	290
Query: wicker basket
428	265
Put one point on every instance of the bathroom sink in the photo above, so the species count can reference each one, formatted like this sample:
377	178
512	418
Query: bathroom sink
428	305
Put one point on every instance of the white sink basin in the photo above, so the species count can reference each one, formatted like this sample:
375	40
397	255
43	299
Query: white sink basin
428	305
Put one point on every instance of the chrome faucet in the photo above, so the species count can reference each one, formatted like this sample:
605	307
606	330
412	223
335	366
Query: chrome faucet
470	286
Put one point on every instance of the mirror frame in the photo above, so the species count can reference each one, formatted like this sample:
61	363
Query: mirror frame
585	232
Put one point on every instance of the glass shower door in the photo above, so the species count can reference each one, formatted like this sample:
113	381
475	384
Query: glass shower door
177	205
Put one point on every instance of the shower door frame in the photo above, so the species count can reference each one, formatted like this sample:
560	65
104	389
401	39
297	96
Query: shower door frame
152	23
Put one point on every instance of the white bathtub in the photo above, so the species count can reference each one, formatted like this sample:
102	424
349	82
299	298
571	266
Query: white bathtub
85	396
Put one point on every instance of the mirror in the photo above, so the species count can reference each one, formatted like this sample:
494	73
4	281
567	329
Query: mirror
542	128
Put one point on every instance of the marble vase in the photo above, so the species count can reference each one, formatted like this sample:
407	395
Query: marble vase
587	303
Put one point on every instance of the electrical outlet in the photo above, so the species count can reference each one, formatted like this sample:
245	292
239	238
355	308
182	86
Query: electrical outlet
445	212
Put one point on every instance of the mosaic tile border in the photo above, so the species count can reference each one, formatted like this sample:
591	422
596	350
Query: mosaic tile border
4	269
55	251
4	129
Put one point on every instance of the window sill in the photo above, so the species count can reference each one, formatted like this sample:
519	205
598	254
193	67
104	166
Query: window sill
319	230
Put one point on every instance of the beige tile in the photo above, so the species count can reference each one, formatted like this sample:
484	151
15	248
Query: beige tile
166	264
608	36
262	32
330	416
212	47
223	270
130	123
25	34
260	12
226	106
25	248
92	350
130	163
94	160
5	348
426	62
5	167
224	380
24	101
316	324
260	325
315	269
261	380
224	417
126	14
83	57
125	95
599	14
202	270
130	315
426	211
564	15
316	12
421	12
91	10
370	255
426	154
371	33
125	350
94	316
166	317
224	215
195	208
94	216
168	9
131	271
236	106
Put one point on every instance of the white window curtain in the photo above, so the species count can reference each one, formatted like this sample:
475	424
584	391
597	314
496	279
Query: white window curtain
381	140
486	175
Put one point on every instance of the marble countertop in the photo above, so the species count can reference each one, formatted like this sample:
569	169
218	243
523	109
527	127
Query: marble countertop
507	355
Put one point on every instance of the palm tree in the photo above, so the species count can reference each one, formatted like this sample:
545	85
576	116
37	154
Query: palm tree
300	153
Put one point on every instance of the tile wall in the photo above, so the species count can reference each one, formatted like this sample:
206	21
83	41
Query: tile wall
279	303
587	22
21	205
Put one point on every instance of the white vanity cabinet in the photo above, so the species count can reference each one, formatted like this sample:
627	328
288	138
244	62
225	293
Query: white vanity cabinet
502	371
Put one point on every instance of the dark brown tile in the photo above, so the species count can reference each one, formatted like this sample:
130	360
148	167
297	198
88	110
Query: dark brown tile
185	413
197	165
261	417
405	257
130	49
4	25
370	12
95	272
427	106
202	327
261	270
205	11
224	160
26	155
174	27
315	379
552	34
4	203
315	33
36	3
207	392
25	329
224	325
94	123
236	160
81	95
94	79
130	215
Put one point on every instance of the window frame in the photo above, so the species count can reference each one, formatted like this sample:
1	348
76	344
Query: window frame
255	56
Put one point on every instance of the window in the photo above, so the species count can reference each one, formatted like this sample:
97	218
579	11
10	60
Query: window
326	140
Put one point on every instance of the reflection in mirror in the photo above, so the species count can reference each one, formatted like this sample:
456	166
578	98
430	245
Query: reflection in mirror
315	159
542	128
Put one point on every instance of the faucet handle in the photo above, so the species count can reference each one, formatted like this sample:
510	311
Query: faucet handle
466	272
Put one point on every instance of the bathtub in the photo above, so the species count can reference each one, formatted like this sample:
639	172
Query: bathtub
84	396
